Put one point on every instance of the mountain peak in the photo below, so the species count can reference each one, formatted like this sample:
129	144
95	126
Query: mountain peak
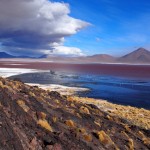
5	55
141	49
139	55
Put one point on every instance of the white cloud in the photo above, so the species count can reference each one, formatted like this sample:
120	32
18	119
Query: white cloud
63	50
36	24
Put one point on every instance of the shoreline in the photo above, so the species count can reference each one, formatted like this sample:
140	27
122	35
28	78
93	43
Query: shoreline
136	116
36	60
63	90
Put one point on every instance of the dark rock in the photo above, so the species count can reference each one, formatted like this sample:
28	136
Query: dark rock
54	147
54	94
92	106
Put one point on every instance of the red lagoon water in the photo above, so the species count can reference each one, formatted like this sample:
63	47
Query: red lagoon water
125	70
117	83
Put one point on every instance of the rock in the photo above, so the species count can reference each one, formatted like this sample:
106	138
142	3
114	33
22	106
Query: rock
54	147
54	94
34	144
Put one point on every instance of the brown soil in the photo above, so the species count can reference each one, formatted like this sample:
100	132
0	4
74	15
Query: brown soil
34	119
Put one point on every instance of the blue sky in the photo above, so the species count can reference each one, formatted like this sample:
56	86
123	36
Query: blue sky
38	27
117	26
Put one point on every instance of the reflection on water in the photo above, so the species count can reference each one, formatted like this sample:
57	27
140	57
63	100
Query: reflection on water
127	91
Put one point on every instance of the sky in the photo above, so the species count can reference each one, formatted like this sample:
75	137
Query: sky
74	27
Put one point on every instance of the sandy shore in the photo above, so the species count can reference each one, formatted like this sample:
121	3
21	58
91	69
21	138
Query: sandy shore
63	90
7	72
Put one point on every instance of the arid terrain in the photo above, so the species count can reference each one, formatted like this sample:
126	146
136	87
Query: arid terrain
74	75
36	119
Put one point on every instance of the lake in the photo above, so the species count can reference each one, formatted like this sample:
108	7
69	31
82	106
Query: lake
126	90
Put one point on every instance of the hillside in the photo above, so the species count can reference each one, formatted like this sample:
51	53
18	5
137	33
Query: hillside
93	58
101	58
35	119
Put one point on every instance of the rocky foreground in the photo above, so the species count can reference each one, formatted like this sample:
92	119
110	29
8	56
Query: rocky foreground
35	119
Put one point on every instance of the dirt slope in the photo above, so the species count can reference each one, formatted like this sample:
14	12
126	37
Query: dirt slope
35	119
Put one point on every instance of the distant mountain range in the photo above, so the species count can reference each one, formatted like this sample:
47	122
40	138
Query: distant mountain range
6	55
140	55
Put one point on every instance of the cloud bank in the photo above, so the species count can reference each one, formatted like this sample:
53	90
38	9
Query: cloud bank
68	51
37	26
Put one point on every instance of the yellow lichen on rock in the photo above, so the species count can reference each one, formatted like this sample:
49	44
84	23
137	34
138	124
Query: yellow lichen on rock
32	94
22	104
39	99
127	127
81	130
70	123
72	105
57	102
84	110
103	137
69	98
109	117
125	134
145	140
97	123
43	115
87	137
78	115
131	144
1	84
106	140
54	119
43	123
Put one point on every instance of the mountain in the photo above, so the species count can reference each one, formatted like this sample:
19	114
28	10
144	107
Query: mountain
140	55
101	58
35	119
93	58
44	56
6	55
24	56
